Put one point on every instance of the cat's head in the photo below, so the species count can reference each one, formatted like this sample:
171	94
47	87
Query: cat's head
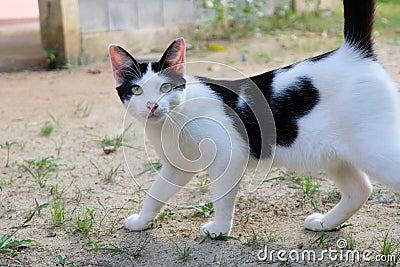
150	90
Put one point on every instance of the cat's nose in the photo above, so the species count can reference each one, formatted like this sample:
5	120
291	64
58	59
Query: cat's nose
152	106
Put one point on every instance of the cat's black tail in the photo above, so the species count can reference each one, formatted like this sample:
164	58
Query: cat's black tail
358	25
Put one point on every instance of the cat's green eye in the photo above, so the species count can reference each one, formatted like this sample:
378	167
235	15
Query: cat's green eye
166	87
137	90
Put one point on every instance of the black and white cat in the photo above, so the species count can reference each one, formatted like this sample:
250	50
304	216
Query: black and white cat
337	112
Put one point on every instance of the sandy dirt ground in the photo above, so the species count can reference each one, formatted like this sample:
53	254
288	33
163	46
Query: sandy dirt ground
83	107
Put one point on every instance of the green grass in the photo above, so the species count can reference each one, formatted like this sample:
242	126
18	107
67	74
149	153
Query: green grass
387	19
204	184
54	119
47	128
111	144
136	252
82	109
283	20
184	252
95	246
220	237
151	167
65	261
271	236
11	206
84	220
94	164
322	241
8	244
203	210
254	238
166	213
390	247
288	23
111	174
58	212
53	62
55	192
351	242
262	57
108	213
7	145
331	196
309	189
4	182
41	167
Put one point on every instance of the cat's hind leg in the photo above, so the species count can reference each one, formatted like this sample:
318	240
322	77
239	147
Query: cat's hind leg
355	188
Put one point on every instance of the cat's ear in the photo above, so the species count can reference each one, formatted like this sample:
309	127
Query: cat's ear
122	63
174	57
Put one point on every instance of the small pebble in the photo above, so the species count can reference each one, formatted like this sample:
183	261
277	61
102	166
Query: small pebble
108	149
94	71
382	198
51	234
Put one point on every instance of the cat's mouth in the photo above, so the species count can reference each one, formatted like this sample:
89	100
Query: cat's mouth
157	114
153	117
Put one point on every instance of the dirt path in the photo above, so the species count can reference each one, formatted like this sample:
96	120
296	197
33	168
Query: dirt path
83	107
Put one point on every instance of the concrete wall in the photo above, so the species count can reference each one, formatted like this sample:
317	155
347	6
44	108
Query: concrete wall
121	15
81	30
138	24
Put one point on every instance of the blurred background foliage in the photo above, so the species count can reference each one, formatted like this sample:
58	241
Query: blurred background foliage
235	19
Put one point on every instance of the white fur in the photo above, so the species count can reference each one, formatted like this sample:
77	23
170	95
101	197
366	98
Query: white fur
353	131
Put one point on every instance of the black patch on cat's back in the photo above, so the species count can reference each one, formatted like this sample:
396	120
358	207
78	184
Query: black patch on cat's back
311	59
287	107
290	105
322	56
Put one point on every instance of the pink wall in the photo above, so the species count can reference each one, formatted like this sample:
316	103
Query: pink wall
18	9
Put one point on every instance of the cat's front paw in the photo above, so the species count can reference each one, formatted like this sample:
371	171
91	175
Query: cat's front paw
214	230
135	223
316	222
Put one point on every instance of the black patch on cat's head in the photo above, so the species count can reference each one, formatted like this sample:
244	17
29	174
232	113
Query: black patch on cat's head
125	89
172	64
131	74
126	69
178	81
